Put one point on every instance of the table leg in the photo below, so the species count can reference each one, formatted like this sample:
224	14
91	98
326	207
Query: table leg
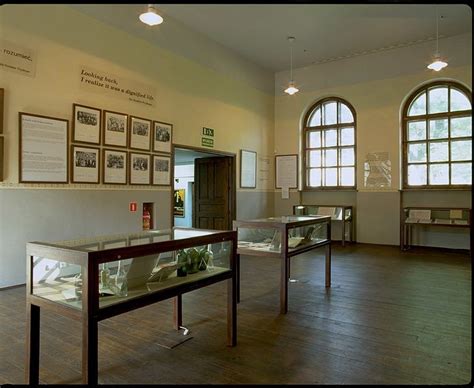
32	344
232	310
284	285
90	350
328	265
178	311
343	231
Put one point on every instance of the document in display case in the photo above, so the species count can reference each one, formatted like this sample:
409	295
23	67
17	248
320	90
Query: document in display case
284	237
97	278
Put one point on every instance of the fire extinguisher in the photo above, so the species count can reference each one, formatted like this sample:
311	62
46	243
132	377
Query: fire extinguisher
146	219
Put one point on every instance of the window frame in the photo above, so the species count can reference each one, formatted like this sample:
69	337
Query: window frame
337	126
426	118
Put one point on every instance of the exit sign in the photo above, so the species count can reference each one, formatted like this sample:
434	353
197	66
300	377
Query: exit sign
207	132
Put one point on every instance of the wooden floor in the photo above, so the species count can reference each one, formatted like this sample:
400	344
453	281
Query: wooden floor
390	317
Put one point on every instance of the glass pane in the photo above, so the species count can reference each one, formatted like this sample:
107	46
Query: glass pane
315	158
347	156
347	136
461	126
417	174
330	176
347	176
330	157
418	107
438	100
315	119
314	139
439	174
315	177
416	153
459	101
439	151
461	173
439	129
330	138
416	130
461	150
330	113
345	114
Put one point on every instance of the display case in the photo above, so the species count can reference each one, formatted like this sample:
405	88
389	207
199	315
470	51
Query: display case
96	278
431	216
341	214
284	237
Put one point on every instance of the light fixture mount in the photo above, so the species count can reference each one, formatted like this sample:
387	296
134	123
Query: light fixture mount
438	63
291	89
151	17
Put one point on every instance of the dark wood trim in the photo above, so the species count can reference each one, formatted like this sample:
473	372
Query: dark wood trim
74	106
72	163
130	133
150	160
153	137
2	109
20	138
104	128
178	311
104	150
1	157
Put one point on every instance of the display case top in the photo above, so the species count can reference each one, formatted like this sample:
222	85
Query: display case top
285	219
130	239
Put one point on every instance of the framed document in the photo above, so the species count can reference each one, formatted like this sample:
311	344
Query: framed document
140	130
1	159
43	149
1	109
85	164
139	168
161	170
115	167
86	124
115	128
286	171
248	169
162	137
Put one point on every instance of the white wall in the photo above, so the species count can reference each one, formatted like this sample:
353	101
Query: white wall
377	86
184	177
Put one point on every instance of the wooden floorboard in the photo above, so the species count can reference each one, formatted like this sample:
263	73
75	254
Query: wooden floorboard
390	317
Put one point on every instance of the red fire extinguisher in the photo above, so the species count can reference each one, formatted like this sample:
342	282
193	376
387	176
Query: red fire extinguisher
146	219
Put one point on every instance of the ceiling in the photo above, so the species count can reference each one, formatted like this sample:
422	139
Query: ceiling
323	32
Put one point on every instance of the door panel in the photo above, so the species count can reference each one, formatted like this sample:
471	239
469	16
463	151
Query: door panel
213	200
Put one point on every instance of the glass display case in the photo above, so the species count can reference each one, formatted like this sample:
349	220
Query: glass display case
284	237
341	214
97	278
431	216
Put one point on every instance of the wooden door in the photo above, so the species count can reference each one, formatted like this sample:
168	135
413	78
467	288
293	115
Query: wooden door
213	193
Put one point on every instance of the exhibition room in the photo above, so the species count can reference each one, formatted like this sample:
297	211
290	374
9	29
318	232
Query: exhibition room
235	194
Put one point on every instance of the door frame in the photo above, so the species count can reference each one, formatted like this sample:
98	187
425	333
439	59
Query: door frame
233	191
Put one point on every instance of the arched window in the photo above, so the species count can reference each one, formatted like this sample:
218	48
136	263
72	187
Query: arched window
437	137
329	145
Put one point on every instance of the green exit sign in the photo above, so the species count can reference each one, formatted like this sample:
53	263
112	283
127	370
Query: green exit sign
208	132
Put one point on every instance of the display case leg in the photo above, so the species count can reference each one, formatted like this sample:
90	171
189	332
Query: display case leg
90	365
232	311
343	232
328	265
284	285
32	344
237	268
178	311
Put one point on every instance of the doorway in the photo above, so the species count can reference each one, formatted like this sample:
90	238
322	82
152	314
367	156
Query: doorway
204	188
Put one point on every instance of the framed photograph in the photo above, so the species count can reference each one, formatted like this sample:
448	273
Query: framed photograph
248	169
286	171
115	167
86	124
178	208
2	93
140	133
43	149
161	170
140	168
115	128
162	137
85	164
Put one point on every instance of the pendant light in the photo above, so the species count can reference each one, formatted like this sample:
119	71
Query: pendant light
151	17
437	63
291	89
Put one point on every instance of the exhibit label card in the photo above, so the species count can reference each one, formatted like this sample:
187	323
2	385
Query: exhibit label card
43	145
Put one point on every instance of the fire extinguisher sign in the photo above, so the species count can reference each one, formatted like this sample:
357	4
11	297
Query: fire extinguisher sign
132	207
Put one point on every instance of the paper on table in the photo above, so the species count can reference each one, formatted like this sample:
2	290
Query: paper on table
285	193
420	214
326	211
455	214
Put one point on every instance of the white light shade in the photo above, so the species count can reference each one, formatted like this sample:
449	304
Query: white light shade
437	65
151	17
291	89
